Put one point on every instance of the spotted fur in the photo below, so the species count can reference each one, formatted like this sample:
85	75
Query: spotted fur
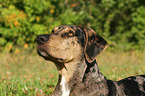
73	49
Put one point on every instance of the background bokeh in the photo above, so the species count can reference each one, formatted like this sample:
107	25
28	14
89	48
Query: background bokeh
120	22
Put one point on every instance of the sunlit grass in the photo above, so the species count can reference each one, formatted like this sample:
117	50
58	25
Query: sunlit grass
27	74
121	64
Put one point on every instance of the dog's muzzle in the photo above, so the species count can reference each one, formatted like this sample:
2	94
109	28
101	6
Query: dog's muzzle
41	41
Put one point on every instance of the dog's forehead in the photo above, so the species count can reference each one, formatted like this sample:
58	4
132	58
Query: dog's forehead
66	28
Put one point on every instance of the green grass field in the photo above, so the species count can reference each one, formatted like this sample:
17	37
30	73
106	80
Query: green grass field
26	74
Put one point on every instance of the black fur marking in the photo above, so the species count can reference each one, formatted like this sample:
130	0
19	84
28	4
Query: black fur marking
52	31
72	27
131	87
67	43
89	65
95	45
92	50
81	36
73	43
112	87
55	33
59	27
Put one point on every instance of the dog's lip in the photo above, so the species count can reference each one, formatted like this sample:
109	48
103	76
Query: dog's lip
47	56
42	53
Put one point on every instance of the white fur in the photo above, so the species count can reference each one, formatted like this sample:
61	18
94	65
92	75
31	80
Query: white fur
65	89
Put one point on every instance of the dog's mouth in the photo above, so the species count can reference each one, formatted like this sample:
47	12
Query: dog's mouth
43	53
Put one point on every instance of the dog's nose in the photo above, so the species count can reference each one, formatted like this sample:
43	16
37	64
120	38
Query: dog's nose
42	39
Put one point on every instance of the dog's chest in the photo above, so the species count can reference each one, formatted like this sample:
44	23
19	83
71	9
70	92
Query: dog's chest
64	87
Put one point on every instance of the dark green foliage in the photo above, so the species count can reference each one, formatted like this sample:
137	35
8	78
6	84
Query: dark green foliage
121	22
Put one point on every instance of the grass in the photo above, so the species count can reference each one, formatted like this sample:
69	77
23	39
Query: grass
25	74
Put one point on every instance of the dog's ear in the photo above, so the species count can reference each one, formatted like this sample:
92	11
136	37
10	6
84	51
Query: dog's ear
94	44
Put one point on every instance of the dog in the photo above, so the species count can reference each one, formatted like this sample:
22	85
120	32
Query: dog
73	50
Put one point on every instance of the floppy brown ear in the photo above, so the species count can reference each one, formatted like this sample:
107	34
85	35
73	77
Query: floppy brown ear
94	44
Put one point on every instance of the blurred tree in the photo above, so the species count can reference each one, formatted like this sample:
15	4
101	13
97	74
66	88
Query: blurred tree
121	22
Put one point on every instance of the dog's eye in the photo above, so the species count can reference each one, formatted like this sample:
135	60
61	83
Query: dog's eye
70	33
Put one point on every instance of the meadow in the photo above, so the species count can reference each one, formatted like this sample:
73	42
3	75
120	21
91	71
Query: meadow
24	73
27	74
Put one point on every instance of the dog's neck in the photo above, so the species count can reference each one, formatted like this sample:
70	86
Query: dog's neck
72	73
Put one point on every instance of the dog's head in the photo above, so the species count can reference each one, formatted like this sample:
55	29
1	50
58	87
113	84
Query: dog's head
70	42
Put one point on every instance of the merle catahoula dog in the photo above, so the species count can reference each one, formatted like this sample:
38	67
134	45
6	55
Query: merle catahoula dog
73	49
